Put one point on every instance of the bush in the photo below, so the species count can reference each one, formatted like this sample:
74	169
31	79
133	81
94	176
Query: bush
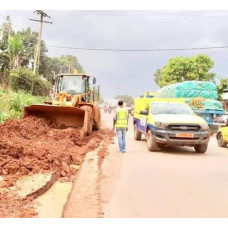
24	79
12	103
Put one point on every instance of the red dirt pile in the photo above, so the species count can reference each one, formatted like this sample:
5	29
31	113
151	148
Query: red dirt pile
34	145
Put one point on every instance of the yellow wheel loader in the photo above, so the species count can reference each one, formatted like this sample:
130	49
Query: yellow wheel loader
75	103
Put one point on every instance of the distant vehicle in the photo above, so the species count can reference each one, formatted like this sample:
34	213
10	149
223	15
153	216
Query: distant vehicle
222	135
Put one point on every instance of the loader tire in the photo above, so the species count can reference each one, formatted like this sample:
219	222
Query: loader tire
90	125
89	119
97	125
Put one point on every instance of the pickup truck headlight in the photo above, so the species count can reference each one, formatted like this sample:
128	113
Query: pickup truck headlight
160	125
204	127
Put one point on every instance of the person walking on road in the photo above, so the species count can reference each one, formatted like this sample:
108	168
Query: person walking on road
120	122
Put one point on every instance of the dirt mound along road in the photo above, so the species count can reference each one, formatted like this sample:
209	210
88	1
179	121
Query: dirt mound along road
34	145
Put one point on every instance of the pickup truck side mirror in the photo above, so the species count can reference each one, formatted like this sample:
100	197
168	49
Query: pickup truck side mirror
144	112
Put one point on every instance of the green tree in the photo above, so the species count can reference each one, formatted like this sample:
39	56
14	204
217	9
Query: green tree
69	63
126	99
18	51
16	48
4	61
5	32
157	76
56	65
29	40
222	85
181	69
46	68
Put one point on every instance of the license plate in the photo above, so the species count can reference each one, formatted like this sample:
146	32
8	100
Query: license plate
184	135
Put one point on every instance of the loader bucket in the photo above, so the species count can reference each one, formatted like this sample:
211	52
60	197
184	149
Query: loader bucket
63	116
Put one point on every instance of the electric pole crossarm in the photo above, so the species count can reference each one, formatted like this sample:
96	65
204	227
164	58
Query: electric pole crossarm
41	21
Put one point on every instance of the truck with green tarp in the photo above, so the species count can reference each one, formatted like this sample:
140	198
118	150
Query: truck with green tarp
201	96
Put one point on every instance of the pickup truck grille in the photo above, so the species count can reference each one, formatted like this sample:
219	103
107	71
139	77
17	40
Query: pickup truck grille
183	127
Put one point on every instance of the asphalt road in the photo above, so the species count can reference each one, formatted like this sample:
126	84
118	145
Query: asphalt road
173	183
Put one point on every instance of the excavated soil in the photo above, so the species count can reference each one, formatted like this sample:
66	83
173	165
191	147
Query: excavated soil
34	145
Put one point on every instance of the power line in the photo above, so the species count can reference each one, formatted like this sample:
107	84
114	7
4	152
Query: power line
139	50
163	20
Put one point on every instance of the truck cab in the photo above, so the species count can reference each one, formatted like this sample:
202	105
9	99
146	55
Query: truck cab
169	123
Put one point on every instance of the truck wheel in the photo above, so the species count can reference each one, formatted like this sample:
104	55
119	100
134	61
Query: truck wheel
137	134
220	140
201	148
151	144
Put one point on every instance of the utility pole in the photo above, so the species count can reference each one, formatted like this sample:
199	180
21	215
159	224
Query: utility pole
38	48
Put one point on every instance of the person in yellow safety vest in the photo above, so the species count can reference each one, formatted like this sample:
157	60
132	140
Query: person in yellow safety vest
120	122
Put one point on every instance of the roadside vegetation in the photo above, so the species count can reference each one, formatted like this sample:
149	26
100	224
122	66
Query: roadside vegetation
19	85
12	103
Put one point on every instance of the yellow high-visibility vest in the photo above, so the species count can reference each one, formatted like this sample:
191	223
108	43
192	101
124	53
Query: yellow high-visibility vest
121	118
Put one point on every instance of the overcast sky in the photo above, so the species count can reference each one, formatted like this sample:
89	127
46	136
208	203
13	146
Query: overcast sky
130	72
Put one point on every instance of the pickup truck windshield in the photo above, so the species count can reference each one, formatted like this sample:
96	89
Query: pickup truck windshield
170	108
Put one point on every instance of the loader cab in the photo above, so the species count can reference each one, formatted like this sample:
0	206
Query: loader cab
72	84
77	84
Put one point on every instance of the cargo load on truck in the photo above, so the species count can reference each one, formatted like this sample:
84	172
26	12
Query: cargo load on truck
201	96
189	89
200	103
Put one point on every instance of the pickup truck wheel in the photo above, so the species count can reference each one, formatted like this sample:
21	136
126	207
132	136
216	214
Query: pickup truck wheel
201	148
151	144
220	140
137	134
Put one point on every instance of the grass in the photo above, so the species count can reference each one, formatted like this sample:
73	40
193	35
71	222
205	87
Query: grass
12	103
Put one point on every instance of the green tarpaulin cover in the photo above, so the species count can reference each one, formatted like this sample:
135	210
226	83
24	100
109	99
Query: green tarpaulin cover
206	104
189	89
